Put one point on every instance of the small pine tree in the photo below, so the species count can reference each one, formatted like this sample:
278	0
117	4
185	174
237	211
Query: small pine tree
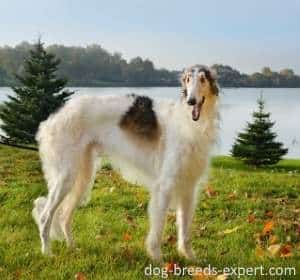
256	145
40	94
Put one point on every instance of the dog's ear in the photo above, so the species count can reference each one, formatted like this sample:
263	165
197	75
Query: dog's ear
211	76
183	83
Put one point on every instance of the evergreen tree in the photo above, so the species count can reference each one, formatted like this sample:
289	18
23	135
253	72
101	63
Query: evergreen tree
40	93
257	145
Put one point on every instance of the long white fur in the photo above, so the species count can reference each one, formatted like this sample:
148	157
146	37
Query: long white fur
71	140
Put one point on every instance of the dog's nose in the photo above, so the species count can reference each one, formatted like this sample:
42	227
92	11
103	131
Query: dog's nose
191	101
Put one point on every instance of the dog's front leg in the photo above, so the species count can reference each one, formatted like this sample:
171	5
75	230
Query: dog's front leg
184	215
158	206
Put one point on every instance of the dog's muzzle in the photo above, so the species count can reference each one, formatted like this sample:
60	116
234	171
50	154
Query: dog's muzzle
196	108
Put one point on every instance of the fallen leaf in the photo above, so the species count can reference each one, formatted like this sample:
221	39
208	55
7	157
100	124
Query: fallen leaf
269	214
222	277
80	276
170	267
228	231
286	251
171	239
201	276
210	192
274	250
251	218
268	227
127	237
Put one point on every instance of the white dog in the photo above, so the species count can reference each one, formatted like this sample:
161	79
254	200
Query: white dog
164	145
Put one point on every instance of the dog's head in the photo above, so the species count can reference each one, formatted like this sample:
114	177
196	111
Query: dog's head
198	86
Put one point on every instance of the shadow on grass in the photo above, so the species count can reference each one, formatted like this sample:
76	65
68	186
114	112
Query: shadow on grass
227	162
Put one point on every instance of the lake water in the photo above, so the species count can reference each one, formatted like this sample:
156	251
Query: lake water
236	106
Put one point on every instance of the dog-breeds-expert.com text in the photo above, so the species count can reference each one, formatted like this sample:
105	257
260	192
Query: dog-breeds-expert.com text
163	145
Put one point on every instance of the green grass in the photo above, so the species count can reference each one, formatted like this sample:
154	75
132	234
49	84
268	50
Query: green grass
118	208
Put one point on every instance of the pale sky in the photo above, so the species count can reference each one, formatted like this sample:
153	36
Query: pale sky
244	34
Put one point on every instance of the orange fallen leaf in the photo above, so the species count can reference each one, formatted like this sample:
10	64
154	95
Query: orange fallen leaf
80	276
251	218
127	237
210	191
268	227
170	267
286	251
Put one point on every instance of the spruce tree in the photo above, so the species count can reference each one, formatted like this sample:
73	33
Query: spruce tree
256	145
39	94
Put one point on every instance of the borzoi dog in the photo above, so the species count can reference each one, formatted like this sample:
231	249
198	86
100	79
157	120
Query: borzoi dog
164	145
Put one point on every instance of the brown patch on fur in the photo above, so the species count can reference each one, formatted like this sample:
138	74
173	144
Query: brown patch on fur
140	120
211	79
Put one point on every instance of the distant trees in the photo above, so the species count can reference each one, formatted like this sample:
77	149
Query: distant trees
40	93
256	145
88	65
229	77
93	65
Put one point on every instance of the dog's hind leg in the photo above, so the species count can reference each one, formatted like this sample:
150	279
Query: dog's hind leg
83	184
158	206
56	195
184	216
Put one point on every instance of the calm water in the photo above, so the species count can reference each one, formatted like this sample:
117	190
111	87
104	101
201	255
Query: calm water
236	108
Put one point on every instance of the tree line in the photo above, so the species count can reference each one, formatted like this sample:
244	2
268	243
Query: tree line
41	92
95	66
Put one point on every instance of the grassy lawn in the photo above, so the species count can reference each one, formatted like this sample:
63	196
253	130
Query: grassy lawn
229	227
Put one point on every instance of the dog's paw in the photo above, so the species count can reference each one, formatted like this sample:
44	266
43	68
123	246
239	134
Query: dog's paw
154	254
187	252
46	251
153	250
